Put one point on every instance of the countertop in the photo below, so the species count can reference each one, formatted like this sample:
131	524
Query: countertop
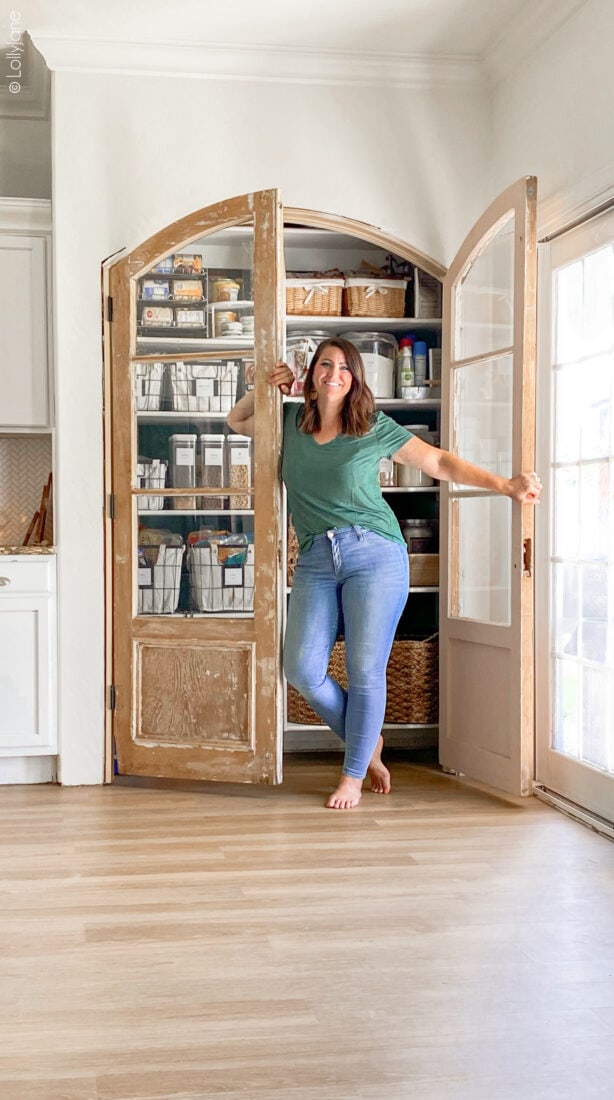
11	551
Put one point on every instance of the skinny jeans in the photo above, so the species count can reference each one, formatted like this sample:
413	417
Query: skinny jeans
351	581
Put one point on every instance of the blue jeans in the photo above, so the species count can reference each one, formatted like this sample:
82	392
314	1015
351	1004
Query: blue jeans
355	582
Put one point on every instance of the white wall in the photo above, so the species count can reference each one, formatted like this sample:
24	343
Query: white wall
132	154
554	116
25	158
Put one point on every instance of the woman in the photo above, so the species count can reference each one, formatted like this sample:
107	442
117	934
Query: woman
352	571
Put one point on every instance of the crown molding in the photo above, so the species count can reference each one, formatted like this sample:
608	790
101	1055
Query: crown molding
258	63
32	99
537	21
25	215
558	210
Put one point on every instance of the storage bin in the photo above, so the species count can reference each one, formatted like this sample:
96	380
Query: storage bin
309	297
151	474
374	297
210	467
202	387
427	296
155	289
190	289
412	683
424	570
159	579
221	577
157	317
239	451
190	318
182	468
148	379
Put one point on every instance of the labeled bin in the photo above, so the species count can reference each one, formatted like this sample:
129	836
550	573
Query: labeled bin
151	474
148	379
159	579
182	468
202	387
221	576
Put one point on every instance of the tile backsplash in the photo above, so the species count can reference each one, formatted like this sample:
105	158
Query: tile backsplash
25	465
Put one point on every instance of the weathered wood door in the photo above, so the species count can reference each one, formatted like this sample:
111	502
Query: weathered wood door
195	595
488	416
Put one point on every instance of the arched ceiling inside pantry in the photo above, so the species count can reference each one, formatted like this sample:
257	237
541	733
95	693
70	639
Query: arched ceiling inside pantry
467	28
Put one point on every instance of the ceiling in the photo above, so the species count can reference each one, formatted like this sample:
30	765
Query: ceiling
469	28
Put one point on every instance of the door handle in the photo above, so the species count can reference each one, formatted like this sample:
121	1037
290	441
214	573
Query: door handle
4	581
527	557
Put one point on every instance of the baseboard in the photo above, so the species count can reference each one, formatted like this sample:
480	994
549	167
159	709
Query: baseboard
28	769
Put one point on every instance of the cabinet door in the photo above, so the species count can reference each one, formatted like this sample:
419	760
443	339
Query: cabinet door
486	712
24	400
27	718
196	535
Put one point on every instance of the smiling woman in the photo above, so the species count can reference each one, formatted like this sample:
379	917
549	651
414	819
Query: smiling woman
352	571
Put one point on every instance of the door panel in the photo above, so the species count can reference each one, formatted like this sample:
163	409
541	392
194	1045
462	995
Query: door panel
486	720
196	578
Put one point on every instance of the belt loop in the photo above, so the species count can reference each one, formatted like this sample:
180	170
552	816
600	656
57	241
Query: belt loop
359	531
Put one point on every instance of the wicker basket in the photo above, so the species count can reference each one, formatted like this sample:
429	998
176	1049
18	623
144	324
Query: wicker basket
412	683
314	297
375	297
291	553
424	570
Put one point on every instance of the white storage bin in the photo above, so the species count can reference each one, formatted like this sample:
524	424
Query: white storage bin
240	469
211	467
182	465
148	379
159	579
151	474
218	584
202	387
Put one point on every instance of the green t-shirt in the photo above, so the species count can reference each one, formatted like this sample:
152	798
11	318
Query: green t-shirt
336	484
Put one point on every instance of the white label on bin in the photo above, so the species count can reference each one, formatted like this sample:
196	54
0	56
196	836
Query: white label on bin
213	456
184	456
144	577
205	387
239	456
233	577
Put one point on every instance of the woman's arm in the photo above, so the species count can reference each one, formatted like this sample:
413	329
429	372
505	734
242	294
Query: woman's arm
448	467
241	416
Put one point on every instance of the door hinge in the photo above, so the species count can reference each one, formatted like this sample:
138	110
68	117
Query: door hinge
112	697
111	505
109	308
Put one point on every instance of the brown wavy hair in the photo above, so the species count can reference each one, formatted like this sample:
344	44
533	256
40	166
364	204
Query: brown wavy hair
358	412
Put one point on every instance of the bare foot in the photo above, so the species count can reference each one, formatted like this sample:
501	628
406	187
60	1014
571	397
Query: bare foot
378	772
347	794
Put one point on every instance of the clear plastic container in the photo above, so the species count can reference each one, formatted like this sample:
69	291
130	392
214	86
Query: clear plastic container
378	351
210	468
420	535
240	469
182	468
411	476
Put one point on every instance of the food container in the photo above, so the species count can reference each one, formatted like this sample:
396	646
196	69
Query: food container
184	264
411	476
190	318
240	469
231	328
182	468
378	351
163	267
155	289
420	535
157	317
210	468
300	348
225	290
386	472
190	289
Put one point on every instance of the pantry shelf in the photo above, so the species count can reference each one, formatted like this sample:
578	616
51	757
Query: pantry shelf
195	511
298	322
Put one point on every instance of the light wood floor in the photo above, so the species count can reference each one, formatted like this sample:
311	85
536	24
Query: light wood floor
246	943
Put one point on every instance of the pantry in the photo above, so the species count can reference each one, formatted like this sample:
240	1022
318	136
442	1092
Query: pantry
200	549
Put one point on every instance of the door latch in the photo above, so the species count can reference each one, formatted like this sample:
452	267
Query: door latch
527	557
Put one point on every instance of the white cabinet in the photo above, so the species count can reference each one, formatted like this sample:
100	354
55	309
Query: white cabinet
24	386
28	725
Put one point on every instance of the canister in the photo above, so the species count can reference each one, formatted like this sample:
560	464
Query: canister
378	351
182	456
240	469
419	534
210	467
411	476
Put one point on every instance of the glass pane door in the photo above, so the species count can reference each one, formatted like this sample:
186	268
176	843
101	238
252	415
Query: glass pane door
192	477
577	740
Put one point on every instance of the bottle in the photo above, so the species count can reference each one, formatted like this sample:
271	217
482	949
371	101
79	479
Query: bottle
420	361
405	368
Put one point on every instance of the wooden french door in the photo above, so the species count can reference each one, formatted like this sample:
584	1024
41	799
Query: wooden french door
488	417
195	528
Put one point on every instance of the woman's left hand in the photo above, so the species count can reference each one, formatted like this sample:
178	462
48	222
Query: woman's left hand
525	488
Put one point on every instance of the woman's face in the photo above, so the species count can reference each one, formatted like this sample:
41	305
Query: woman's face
332	377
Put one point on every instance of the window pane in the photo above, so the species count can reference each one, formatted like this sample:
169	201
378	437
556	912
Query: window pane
566	512
566	595
566	736
485	297
480	585
482	430
596	736
567	421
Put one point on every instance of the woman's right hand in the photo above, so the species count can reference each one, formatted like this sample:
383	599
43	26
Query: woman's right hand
281	376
